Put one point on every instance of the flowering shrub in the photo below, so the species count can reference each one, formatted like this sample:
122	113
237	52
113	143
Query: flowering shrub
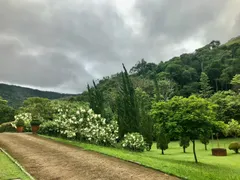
134	142
75	122
26	117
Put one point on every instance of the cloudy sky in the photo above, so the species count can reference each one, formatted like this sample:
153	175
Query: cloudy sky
61	45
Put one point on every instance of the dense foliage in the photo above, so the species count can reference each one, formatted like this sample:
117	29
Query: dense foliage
6	112
233	128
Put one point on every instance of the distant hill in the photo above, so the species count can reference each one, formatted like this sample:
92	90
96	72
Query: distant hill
15	95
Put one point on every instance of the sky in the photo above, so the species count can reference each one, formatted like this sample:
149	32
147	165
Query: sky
61	45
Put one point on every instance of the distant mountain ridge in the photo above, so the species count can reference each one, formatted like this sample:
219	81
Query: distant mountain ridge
15	95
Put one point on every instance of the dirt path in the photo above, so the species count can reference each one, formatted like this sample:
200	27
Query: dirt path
46	159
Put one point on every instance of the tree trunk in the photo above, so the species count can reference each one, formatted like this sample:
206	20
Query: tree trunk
162	152
184	149
205	147
236	151
194	152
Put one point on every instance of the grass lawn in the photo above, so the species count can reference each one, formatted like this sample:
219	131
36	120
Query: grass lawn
9	170
177	163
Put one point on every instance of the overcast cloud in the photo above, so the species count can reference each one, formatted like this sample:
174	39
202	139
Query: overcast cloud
62	45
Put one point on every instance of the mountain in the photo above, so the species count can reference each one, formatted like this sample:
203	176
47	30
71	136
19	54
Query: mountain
219	62
15	95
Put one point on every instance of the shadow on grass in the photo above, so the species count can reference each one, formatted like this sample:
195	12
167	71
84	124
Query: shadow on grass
186	162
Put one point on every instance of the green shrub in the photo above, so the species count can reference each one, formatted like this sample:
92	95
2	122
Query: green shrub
134	142
235	146
35	123
7	127
20	123
49	128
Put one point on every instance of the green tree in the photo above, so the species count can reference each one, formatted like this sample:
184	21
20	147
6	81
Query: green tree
6	112
156	88
205	91
37	107
96	99
142	68
236	82
204	138
146	122
127	109
184	143
228	105
194	117
166	89
233	128
186	117
162	139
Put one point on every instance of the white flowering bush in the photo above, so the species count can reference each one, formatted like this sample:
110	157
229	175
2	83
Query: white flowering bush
133	142
26	117
83	124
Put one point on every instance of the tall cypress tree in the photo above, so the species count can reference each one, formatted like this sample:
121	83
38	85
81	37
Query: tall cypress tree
128	113
96	99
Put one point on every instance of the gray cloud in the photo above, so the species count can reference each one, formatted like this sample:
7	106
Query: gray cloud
61	45
178	19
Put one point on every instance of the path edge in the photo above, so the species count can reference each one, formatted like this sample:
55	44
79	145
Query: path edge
15	162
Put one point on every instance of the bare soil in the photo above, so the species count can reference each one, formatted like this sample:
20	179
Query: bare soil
48	160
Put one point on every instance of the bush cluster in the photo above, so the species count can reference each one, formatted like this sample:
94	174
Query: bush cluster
134	142
84	125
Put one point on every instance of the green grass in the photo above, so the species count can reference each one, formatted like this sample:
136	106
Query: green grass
177	163
9	170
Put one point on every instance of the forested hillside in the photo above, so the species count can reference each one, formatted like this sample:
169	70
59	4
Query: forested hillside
181	75
15	95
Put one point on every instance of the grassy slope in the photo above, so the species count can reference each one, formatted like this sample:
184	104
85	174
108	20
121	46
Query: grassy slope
8	170
176	162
